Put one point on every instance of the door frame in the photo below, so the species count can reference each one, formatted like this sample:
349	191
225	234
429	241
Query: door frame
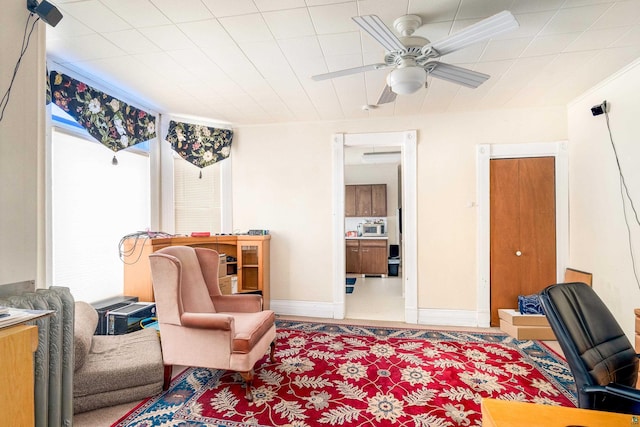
406	141
484	154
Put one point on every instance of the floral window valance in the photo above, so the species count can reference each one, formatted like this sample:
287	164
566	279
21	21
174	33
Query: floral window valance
199	145
114	123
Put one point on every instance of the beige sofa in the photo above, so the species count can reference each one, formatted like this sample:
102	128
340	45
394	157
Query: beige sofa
113	369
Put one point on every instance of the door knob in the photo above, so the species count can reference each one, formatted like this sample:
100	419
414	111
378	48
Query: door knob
518	253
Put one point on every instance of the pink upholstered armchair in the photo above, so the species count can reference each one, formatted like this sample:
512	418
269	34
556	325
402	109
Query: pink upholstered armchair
201	327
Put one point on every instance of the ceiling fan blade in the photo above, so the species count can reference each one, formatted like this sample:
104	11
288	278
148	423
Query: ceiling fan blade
386	96
480	31
348	71
373	25
455	74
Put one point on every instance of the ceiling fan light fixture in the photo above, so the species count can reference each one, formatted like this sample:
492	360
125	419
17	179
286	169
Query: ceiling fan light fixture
407	80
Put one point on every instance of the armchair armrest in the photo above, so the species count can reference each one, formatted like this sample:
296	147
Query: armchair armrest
222	322
248	303
617	390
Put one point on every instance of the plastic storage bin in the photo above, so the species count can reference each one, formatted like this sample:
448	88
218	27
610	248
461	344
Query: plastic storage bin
350	284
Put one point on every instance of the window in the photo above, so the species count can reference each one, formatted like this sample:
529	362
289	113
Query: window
93	205
197	201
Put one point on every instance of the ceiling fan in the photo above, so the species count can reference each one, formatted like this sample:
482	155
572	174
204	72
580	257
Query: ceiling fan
413	58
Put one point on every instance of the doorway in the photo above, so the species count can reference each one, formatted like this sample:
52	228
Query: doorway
406	144
372	197
523	229
484	154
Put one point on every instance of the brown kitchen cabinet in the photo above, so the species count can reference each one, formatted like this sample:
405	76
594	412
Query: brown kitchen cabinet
366	256
352	256
366	200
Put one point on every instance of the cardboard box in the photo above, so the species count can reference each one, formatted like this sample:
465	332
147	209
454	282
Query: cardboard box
225	285
222	267
527	332
515	318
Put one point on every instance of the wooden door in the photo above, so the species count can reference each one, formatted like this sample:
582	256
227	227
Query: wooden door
523	229
350	200
379	200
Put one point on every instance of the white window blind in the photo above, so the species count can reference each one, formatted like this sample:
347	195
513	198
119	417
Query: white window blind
197	201
94	204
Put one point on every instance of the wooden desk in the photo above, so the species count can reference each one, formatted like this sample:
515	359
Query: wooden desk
503	413
251	252
17	344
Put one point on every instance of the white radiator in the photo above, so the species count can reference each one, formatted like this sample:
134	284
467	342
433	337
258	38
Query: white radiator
53	361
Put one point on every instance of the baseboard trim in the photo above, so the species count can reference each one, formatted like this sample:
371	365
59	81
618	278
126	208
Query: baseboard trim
303	308
437	317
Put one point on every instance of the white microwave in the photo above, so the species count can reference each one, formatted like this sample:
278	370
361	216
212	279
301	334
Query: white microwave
371	229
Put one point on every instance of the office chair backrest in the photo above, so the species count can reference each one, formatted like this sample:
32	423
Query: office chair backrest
597	350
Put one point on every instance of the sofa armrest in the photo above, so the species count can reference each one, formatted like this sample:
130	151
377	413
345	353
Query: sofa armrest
222	322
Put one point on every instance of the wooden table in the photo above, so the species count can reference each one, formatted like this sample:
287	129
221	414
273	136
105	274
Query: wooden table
504	413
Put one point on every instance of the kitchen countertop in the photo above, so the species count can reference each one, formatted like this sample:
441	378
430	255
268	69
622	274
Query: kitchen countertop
385	237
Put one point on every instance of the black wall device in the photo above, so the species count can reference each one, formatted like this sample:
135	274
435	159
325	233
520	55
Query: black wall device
46	11
596	110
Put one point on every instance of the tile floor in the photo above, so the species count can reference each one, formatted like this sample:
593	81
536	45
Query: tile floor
375	298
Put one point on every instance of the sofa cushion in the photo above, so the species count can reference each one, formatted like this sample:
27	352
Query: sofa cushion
120	363
85	323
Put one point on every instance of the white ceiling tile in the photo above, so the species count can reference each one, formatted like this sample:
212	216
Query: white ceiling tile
630	38
505	49
268	59
340	44
433	11
288	24
551	44
480	9
95	15
138	13
221	8
334	18
386	10
208	33
131	41
528	6
168	37
621	13
247	28
530	24
183	10
325	2
596	39
341	62
87	48
300	47
574	20
67	28
269	5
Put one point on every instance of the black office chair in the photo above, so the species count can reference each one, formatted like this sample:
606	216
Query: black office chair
601	358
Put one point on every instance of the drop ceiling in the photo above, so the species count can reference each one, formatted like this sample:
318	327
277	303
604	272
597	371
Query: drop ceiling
250	61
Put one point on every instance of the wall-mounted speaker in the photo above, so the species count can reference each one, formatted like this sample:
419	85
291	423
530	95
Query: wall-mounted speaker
46	11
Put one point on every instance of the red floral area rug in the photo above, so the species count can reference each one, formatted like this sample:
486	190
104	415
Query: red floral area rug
341	375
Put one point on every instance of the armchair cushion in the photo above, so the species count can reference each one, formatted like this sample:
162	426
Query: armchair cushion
249	328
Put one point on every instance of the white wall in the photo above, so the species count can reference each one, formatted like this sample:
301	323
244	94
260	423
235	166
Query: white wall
282	181
599	239
21	150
